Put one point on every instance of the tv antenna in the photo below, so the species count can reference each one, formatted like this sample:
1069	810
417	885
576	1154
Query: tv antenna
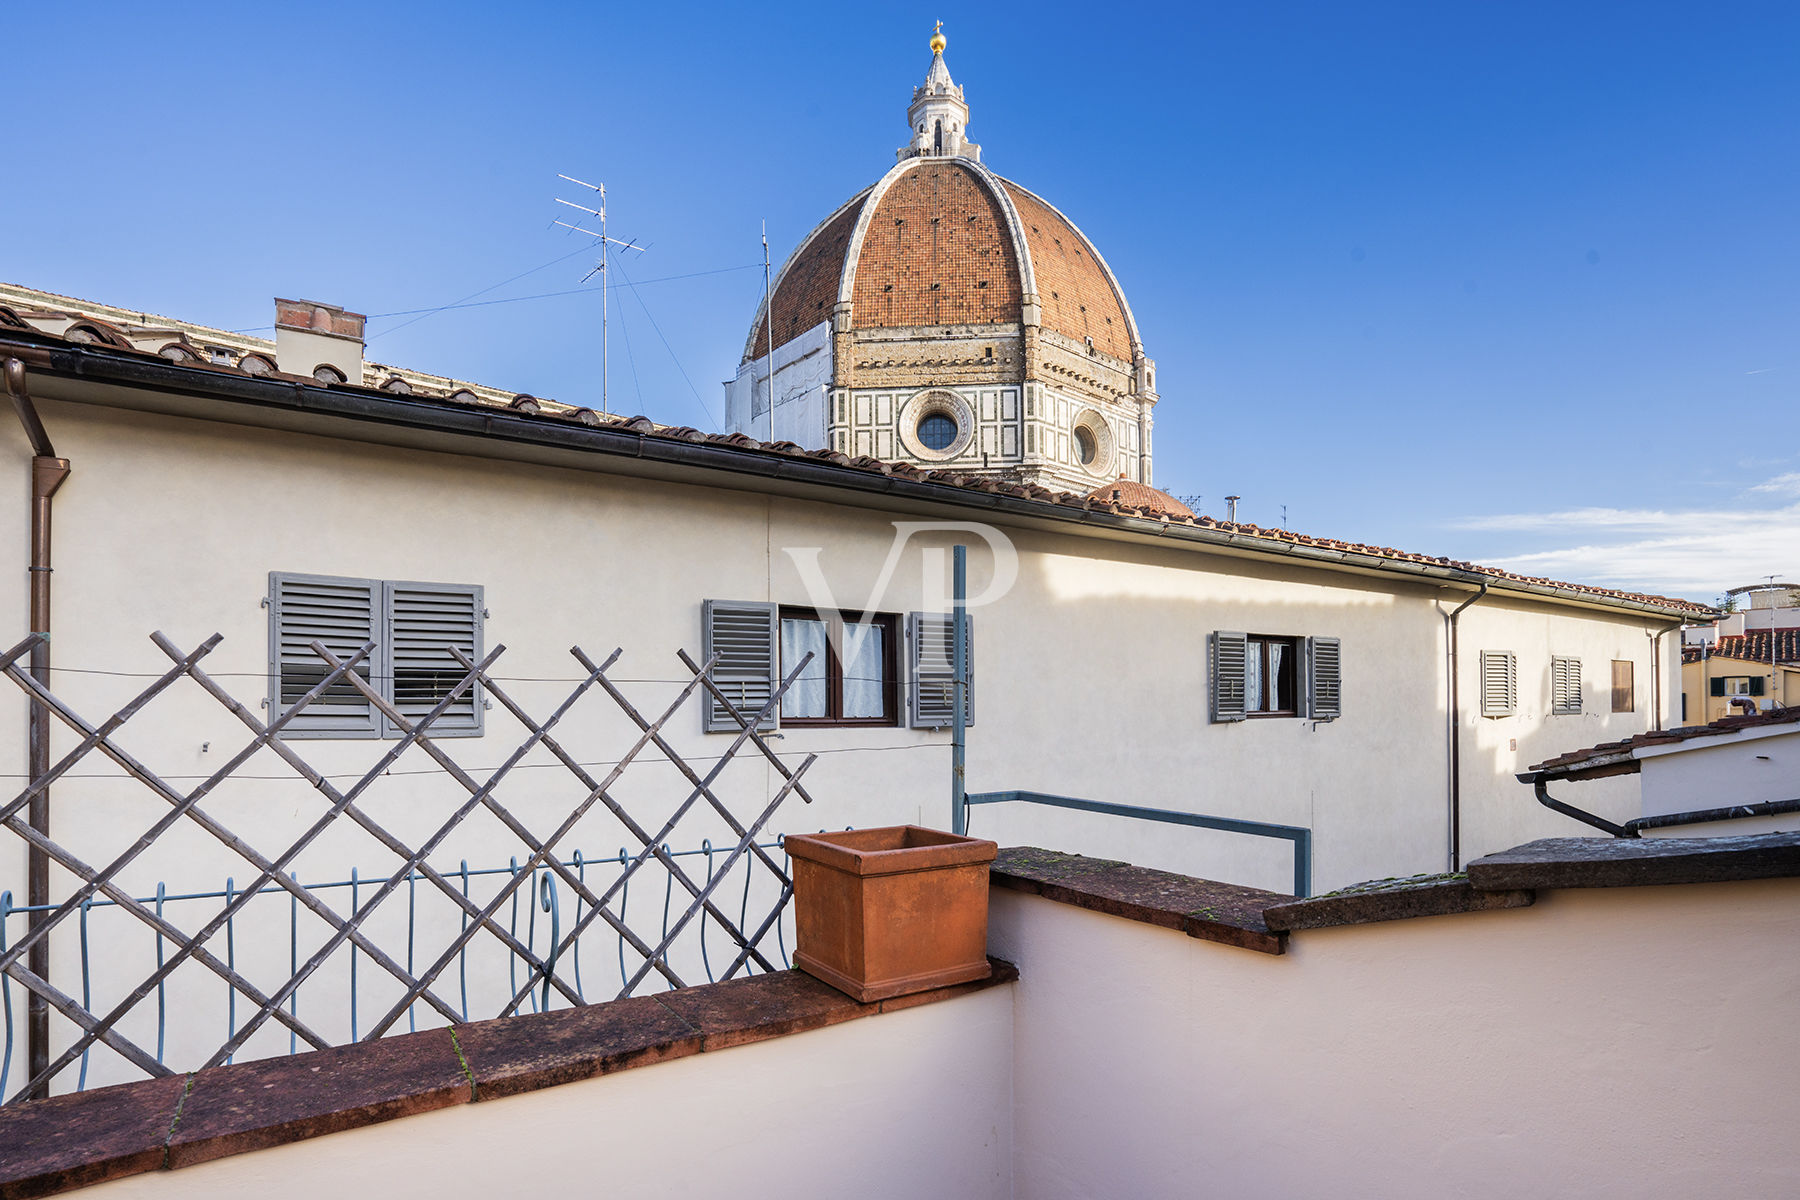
606	244
769	324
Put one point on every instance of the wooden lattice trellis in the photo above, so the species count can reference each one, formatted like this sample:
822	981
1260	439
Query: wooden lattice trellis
346	804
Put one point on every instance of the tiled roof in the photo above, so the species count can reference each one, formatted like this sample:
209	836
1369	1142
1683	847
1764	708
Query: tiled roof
1141	496
1074	290
1577	761
197	347
807	290
939	249
1751	647
937	252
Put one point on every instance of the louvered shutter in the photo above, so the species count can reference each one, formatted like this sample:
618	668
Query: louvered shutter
344	614
423	621
1499	683
1326	684
1565	686
1757	685
1716	687
931	688
743	633
1228	653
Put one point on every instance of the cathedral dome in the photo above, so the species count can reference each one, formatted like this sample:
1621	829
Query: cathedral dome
944	241
946	317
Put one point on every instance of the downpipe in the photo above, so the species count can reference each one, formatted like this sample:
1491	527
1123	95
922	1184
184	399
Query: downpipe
1451	619
47	475
1586	818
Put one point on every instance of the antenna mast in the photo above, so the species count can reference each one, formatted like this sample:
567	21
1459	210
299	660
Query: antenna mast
769	324
605	243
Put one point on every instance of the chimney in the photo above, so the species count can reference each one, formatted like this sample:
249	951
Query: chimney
1231	502
316	339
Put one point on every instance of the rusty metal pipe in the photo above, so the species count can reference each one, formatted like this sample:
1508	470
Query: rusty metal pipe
47	474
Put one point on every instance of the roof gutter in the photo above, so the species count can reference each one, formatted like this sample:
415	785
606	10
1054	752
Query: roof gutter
303	395
47	474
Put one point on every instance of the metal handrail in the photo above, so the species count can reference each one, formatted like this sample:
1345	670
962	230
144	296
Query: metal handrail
1299	835
544	895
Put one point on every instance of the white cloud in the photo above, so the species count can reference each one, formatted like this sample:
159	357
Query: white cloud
1781	485
1697	553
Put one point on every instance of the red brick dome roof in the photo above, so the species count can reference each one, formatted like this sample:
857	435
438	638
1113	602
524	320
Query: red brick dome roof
944	241
1133	494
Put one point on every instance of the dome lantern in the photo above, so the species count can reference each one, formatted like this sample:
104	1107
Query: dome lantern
938	117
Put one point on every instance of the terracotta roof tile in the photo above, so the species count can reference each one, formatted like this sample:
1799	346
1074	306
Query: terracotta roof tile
1751	647
1078	300
452	392
1562	763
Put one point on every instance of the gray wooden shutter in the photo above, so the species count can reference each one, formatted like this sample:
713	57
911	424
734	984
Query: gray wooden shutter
745	635
344	615
1326	685
1499	683
931	687
423	621
1565	686
1228	653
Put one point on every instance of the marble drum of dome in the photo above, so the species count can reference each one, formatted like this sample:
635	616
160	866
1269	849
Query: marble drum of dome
946	316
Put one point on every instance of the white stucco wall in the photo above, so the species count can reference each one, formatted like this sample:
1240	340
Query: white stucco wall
907	1104
1624	1042
802	380
1754	766
1090	674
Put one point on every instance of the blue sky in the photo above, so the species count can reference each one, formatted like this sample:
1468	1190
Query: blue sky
1513	283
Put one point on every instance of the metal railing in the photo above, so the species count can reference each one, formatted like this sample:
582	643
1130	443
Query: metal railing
255	922
264	992
1300	836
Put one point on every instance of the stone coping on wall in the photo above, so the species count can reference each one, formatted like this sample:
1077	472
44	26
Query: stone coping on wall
1201	908
84	1138
1260	920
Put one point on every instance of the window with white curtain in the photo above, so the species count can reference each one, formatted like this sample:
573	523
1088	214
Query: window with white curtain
853	677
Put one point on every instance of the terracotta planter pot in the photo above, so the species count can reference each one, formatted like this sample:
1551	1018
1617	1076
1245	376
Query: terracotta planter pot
885	912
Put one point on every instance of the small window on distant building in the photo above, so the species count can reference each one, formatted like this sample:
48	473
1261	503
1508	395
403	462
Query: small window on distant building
1624	690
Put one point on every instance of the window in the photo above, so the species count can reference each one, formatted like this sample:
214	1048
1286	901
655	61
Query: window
414	627
1499	683
851	678
937	430
1261	675
1269	677
1624	691
1085	450
854	677
1565	686
1738	685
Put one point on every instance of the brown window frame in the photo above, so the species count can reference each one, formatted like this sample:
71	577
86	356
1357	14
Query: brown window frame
1258	644
1624	692
834	669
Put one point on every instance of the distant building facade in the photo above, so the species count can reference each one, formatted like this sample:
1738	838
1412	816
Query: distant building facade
947	317
1747	660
